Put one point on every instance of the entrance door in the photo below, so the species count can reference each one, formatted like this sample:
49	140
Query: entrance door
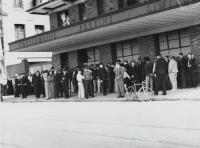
64	60
82	57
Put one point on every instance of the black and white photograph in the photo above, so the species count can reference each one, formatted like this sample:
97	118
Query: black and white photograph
99	73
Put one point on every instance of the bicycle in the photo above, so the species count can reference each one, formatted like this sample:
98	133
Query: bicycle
143	94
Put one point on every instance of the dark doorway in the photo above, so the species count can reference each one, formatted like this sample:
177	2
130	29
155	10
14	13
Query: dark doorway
82	57
64	60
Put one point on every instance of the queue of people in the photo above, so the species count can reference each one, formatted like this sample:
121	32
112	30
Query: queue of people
160	73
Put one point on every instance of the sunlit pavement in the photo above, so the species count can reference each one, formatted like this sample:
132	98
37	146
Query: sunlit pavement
181	94
156	124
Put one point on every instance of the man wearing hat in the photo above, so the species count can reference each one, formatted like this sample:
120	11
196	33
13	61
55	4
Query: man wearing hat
173	70
23	85
37	84
160	74
87	74
103	78
65	82
58	86
16	82
119	73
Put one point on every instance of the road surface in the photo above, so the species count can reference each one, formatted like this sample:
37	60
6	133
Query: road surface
159	124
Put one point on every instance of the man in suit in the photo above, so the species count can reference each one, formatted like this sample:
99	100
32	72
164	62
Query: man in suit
119	73
23	85
89	90
58	86
160	74
134	72
182	68
173	70
16	82
37	83
103	78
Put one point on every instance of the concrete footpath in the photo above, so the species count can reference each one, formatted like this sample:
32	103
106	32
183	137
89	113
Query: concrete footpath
183	94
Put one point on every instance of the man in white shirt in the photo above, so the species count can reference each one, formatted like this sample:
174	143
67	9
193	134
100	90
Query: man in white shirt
173	70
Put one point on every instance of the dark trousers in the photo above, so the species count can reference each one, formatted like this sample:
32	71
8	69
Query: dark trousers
16	91
23	91
190	78
104	87
58	91
88	88
112	84
75	86
109	85
65	87
161	83
182	79
37	91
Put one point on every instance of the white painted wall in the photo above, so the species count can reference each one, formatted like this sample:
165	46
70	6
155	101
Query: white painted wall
20	16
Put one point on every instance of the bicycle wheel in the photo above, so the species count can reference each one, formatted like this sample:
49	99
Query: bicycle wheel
130	95
145	94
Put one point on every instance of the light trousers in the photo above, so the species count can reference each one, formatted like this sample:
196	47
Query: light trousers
173	80
81	90
120	86
149	82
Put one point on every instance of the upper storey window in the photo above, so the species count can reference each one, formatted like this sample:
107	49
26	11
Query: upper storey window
127	3
19	31
36	2
63	18
18	4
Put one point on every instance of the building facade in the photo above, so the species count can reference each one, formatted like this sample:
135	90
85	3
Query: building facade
90	31
18	24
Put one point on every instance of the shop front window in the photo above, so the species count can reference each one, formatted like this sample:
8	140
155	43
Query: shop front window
127	50
93	56
174	42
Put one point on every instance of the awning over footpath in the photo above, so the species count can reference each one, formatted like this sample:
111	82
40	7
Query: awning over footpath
122	25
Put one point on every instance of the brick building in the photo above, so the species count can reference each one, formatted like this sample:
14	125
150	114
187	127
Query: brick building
90	31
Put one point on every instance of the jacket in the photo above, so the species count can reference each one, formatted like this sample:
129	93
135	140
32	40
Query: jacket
173	66
119	73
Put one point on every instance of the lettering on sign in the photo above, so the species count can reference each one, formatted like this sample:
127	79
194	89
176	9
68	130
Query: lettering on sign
37	40
96	23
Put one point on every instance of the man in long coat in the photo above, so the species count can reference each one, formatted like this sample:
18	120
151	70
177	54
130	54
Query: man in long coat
65	79
23	85
58	86
103	78
37	83
161	74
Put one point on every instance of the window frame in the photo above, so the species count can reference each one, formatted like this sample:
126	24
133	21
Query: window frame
17	31
124	56
37	27
179	39
18	4
95	59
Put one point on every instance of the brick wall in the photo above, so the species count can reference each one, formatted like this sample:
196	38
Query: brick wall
56	63
195	41
105	54
147	46
73	59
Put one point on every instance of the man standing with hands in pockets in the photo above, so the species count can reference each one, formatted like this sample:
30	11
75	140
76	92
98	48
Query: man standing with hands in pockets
119	73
